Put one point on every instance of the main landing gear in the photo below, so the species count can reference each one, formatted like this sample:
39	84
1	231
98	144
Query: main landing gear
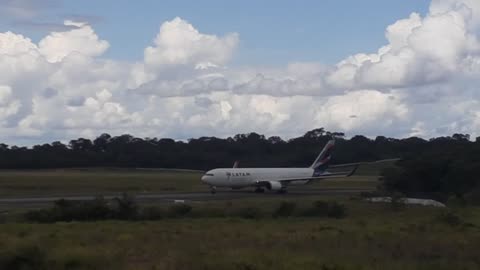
259	190
283	190
213	189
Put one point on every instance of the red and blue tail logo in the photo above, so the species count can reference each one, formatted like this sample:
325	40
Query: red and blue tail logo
320	164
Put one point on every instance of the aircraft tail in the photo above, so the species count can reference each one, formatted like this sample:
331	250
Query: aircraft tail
321	163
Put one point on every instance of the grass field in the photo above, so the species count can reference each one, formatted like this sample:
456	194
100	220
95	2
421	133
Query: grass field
215	236
17	183
95	181
372	236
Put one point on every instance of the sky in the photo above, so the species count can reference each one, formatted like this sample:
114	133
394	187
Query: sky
184	69
313	27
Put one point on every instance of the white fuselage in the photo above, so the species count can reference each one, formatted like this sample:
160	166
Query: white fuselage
247	177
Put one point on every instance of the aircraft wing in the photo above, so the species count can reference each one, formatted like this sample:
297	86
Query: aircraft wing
327	175
360	163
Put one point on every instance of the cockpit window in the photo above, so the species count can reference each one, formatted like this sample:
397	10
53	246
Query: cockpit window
209	174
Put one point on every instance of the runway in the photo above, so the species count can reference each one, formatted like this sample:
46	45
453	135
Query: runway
42	201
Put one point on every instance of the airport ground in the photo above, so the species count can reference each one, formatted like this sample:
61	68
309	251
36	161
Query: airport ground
370	236
71	182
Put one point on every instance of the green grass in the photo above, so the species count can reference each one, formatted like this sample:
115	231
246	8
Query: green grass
17	183
352	182
370	237
14	183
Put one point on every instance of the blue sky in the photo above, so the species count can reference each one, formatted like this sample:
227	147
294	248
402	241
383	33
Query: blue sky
184	69
271	32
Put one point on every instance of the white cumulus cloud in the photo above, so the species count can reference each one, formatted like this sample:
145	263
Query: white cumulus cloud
422	82
420	51
179	43
81	39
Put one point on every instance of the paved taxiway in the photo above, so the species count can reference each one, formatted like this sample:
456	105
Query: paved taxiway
28	202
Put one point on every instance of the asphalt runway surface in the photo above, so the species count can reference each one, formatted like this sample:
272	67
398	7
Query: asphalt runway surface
42	201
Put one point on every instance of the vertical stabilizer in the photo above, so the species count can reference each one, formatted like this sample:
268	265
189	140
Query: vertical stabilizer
321	163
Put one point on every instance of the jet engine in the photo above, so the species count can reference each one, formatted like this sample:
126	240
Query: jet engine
274	185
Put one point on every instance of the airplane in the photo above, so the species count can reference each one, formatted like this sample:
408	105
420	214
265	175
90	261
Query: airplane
278	179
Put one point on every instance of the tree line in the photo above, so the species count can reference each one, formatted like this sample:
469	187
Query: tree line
441	168
252	150
448	166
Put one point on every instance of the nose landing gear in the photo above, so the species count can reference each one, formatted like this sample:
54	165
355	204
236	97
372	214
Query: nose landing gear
213	189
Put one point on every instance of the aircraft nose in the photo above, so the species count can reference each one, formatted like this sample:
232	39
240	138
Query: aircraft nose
207	178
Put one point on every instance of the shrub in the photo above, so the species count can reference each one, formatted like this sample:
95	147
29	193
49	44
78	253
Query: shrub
250	213
42	216
179	210
318	209
24	258
285	209
397	202
370	194
64	210
321	207
152	213
450	218
326	209
127	208
336	210
98	208
473	197
216	212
